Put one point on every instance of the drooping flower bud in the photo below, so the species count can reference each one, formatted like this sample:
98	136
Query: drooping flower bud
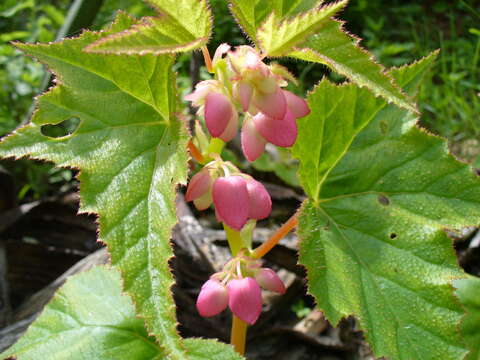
245	299
213	298
231	199
279	132
240	198
296	104
269	280
260	203
220	114
253	144
199	189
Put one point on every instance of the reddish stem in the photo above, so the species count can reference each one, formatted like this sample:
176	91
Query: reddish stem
275	238
196	154
207	58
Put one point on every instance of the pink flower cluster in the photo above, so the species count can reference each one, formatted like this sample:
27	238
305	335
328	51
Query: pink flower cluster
242	294
237	197
245	82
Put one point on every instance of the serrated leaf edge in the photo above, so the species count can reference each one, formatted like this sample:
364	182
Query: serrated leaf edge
356	41
341	4
147	22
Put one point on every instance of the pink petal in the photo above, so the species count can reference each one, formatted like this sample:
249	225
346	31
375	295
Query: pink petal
272	104
221	50
296	104
230	196
201	91
269	280
253	144
260	201
244	94
213	298
245	299
278	132
218	111
231	130
199	184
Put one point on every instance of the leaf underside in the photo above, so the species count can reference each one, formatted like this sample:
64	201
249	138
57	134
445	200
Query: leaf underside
172	31
131	152
381	192
90	318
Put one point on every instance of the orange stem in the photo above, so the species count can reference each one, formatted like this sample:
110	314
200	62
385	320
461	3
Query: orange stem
207	58
238	335
275	238
196	154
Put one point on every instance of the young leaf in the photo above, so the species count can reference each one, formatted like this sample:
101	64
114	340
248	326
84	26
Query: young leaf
131	152
250	14
278	38
468	290
90	318
372	237
182	25
332	46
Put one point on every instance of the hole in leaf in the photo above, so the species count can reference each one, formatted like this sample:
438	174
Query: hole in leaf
382	199
393	236
62	129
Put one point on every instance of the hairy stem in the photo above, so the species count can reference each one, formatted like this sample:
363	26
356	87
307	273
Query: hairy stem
275	238
238	335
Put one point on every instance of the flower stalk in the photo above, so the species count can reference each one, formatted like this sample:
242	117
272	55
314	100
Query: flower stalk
268	245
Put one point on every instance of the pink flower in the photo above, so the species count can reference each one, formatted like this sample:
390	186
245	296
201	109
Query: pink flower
238	199
254	83
220	114
199	189
245	299
269	280
259	130
213	298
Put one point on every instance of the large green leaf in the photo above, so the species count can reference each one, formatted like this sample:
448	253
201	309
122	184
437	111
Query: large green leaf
277	38
372	236
182	25
131	151
332	46
90	318
250	14
468	290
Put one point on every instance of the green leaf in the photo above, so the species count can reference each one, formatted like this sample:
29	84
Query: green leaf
321	141
332	46
250	14
90	318
131	152
182	25
468	290
278	38
372	236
